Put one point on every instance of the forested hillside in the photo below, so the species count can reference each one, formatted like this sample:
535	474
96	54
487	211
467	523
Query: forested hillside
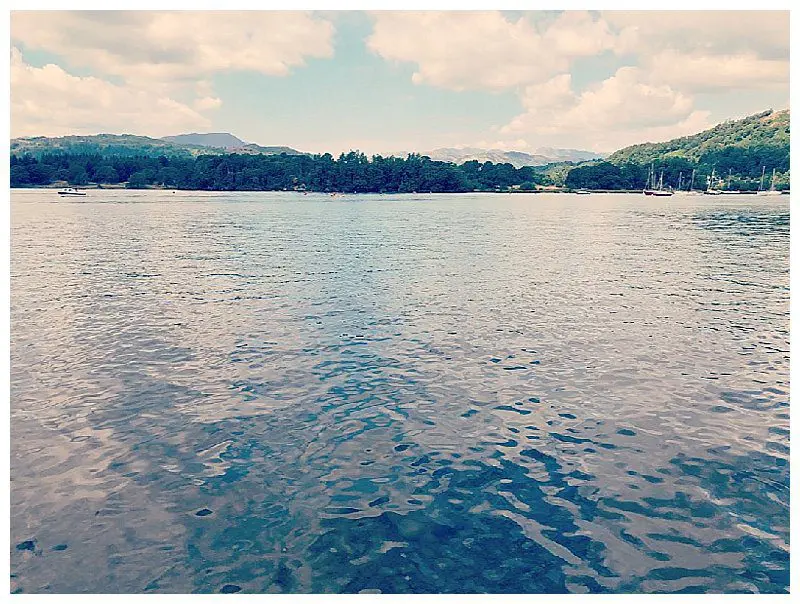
735	152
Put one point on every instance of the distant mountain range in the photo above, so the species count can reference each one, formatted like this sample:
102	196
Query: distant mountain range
228	142
573	155
221	140
217	143
540	157
182	145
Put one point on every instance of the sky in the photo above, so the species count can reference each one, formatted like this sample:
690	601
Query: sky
393	82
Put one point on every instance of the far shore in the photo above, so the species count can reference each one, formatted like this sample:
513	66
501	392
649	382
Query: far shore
123	186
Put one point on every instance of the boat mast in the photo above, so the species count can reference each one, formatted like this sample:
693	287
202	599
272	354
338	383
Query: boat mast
729	178
761	184
691	184
661	180
772	186
680	180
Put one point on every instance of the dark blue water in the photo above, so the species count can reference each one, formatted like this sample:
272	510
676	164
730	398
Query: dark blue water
482	393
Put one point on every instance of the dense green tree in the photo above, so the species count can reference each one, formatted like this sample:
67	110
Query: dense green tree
19	175
138	180
78	174
603	175
41	174
106	174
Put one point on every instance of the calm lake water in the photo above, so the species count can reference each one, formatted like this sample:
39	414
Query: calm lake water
271	392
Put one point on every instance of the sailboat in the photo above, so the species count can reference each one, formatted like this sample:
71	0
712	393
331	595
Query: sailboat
661	191
761	182
772	190
710	190
649	187
690	190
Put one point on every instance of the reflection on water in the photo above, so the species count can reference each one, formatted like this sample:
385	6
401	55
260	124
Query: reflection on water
481	393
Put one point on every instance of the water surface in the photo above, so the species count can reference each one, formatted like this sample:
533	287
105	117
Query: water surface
272	392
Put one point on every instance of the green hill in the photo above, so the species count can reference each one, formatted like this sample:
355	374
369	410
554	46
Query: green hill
104	144
732	155
769	130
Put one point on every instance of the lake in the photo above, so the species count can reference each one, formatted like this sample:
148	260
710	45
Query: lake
287	393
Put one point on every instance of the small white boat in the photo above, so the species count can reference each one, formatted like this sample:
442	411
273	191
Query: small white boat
71	191
582	192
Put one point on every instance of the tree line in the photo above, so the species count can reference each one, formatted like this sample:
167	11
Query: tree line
351	172
734	168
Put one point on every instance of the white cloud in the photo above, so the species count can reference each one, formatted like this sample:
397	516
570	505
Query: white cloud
763	33
699	73
158	56
627	98
623	109
48	101
176	46
707	51
677	54
577	34
484	50
153	71
207	102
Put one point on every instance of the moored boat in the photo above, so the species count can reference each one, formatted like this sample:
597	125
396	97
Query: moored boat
772	190
710	190
70	191
650	187
691	190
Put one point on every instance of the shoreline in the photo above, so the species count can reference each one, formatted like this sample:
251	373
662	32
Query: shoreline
122	187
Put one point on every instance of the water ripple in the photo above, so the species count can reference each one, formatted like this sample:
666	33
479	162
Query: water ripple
250	392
